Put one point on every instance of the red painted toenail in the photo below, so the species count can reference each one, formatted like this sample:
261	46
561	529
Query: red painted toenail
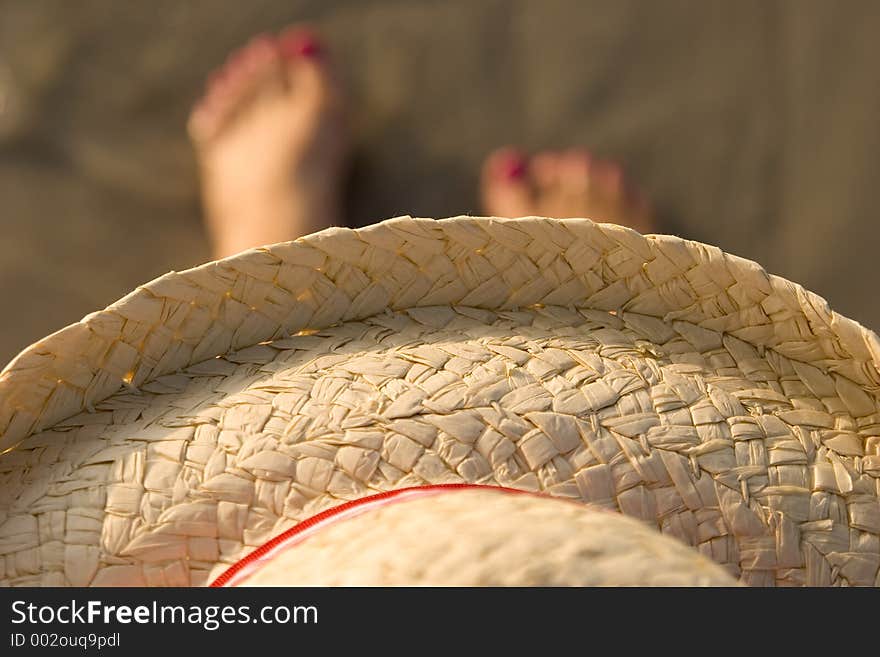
512	166
299	44
309	47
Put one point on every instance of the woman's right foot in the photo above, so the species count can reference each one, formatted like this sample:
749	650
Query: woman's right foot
270	140
561	184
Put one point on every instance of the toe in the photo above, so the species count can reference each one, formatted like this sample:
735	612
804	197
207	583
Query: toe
609	181
546	169
607	192
256	70
563	184
208	113
560	184
300	41
574	171
261	52
246	72
618	200
637	206
506	189
570	195
309	72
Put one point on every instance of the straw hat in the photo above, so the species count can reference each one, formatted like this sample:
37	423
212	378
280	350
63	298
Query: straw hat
158	441
428	536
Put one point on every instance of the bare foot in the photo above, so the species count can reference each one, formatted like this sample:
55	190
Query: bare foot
561	184
270	141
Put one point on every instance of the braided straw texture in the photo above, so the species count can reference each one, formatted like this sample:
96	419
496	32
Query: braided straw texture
522	540
160	439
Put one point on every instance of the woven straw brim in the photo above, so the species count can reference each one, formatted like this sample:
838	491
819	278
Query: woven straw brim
484	537
660	377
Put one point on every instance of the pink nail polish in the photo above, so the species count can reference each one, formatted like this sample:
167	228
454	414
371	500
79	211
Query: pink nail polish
512	167
309	47
301	44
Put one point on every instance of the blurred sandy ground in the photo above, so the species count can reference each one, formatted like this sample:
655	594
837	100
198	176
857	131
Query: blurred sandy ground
754	124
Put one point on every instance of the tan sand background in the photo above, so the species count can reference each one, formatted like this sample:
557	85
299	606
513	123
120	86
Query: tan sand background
753	124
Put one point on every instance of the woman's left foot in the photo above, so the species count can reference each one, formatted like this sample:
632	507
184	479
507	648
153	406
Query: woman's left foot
561	184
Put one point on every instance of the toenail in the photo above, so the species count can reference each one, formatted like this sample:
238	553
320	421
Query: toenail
309	47
512	166
302	44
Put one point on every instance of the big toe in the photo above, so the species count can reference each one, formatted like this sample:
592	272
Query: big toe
506	188
618	200
310	75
